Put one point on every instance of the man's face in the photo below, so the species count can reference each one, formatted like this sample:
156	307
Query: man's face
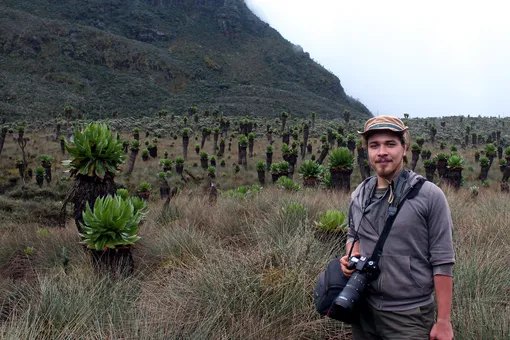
385	153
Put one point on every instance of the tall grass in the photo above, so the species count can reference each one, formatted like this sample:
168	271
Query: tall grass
239	269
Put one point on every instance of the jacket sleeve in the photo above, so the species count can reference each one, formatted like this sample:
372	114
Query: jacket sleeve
440	227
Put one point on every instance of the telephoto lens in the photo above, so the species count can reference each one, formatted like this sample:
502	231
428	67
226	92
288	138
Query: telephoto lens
346	300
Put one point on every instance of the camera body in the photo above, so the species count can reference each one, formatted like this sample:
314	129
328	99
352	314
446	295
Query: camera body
366	270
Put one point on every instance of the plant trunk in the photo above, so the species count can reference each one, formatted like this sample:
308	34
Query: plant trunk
3	134
286	138
310	182
429	173
85	190
250	148
351	145
454	177
222	148
324	153
204	163
47	174
416	157
262	177
179	168
341	179
215	146
39	180
269	161
185	142
63	146
153	152
164	190
131	162
244	159
118	261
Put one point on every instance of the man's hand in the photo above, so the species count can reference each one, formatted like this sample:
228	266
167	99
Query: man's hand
442	330
344	262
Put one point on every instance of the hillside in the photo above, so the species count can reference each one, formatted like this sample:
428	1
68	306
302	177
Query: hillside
139	56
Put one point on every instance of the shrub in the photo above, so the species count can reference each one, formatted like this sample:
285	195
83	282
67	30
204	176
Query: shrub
244	191
455	162
95	151
287	184
484	161
260	166
332	220
341	158
144	187
309	169
113	222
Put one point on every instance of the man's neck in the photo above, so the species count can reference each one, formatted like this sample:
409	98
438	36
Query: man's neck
384	182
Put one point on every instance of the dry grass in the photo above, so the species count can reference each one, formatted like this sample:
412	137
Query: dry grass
242	268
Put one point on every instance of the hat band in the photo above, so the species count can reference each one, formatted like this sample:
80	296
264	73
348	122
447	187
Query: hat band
385	126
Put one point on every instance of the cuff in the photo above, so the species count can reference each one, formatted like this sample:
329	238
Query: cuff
443	269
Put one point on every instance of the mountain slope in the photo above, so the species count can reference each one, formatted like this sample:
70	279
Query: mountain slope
138	56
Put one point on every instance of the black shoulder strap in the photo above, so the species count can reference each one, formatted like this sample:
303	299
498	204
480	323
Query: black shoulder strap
393	210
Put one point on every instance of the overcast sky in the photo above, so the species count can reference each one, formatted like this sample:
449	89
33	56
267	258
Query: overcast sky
427	58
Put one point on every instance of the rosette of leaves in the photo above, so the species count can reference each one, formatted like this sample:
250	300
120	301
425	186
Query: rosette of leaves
429	163
341	158
287	184
112	223
455	161
332	220
280	167
124	193
490	150
144	187
260	166
166	164
507	151
484	162
95	152
269	149
309	169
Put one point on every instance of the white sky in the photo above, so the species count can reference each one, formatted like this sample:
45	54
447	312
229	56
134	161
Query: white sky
426	58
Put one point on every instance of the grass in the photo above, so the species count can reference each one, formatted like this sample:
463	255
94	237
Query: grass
242	268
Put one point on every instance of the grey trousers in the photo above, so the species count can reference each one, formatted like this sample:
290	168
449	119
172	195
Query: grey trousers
413	324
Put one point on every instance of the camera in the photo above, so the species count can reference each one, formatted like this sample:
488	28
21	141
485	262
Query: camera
366	271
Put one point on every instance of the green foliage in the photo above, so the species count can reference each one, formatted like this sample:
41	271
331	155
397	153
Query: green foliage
341	158
415	147
442	157
123	193
165	162
204	155
179	160
112	223
95	152
503	162
39	171
46	159
484	161
269	149
279	167
260	166
185	132
145	153
211	171
332	220
453	148
144	187
429	163
243	192
486	183
507	151
287	184
309	169
455	161
490	149
135	145
242	140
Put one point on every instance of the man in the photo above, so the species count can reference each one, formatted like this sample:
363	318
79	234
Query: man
418	255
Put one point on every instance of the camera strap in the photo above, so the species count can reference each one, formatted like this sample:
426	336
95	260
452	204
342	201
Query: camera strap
393	209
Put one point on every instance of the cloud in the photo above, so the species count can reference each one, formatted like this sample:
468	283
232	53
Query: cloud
427	58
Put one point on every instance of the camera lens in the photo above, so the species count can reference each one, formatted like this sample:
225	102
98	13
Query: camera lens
345	301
